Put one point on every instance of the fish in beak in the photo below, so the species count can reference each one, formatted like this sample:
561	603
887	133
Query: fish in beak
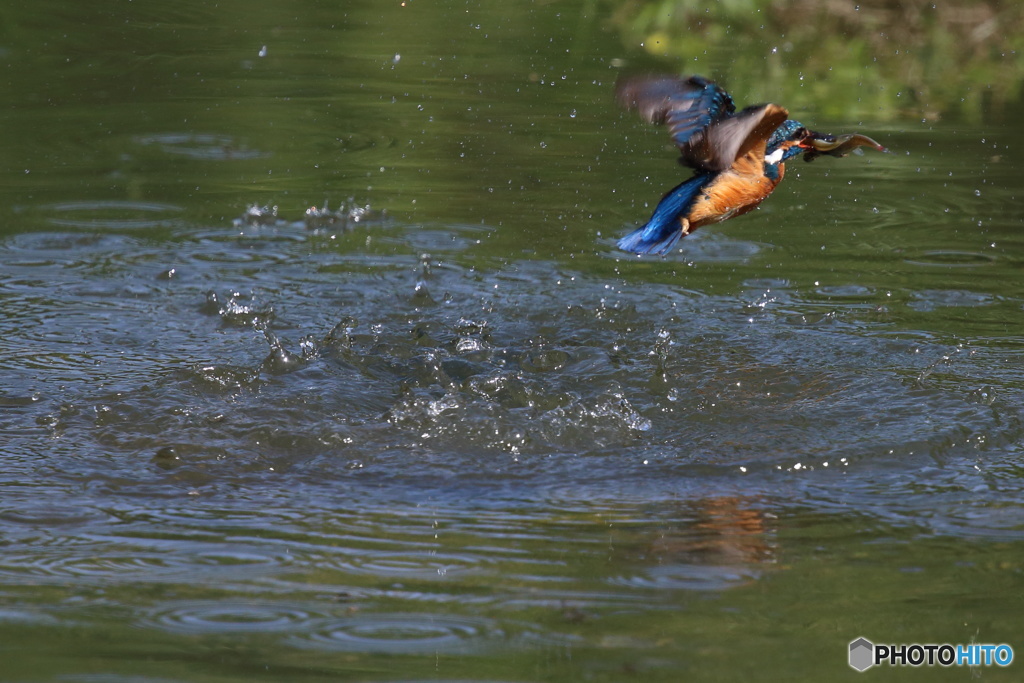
818	144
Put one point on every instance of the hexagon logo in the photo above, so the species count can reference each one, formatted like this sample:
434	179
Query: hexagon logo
862	654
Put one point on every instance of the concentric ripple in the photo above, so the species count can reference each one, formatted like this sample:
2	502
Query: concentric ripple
113	215
232	616
412	565
403	633
201	146
60	565
688	577
952	259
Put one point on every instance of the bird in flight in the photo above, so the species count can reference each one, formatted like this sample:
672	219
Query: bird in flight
738	156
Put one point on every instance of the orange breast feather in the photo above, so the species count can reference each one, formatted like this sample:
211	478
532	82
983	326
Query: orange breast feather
734	192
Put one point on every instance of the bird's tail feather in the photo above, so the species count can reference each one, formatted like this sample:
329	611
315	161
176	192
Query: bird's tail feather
663	230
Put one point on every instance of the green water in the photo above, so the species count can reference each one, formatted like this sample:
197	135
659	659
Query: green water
465	438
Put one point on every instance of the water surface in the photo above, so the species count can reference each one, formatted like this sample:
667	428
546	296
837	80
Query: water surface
447	431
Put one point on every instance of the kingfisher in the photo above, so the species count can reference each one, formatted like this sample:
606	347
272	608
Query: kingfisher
738	157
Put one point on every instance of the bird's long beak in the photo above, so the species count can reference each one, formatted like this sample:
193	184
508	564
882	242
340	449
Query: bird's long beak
836	145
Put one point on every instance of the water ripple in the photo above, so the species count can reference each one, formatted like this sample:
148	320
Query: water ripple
232	616
949	258
411	565
688	577
202	146
113	215
403	633
62	564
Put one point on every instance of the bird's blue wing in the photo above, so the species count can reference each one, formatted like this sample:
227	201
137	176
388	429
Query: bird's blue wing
701	118
663	230
686	106
695	109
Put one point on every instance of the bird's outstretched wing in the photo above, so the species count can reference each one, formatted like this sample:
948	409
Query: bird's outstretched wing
700	118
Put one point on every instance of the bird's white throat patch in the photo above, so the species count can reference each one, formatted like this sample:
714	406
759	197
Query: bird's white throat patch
775	157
